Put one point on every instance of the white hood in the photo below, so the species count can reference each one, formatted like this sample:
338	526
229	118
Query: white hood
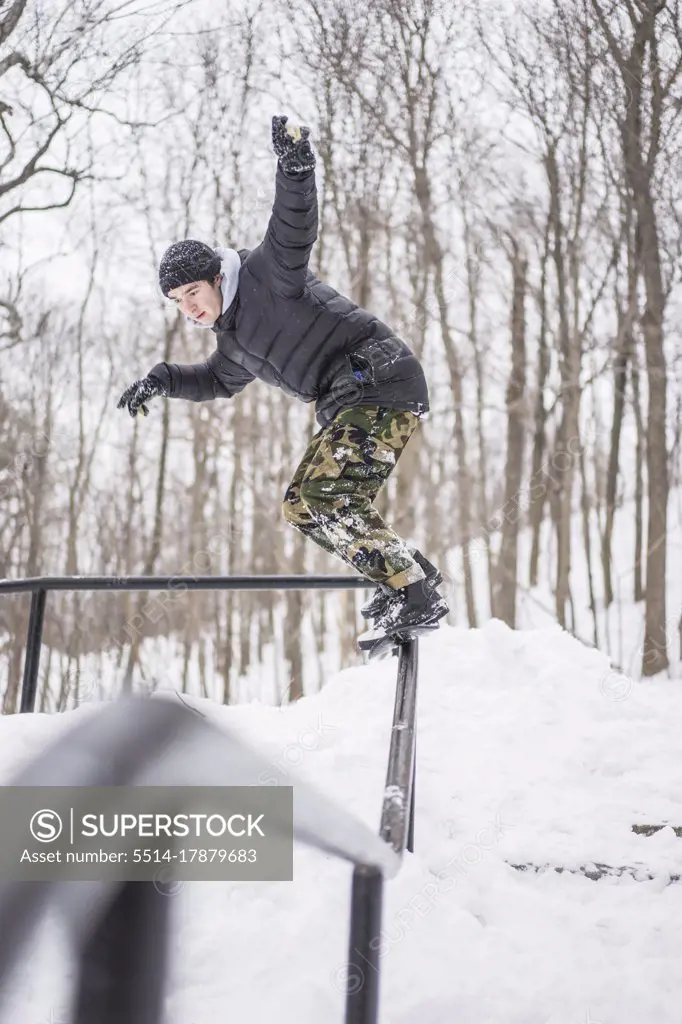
229	268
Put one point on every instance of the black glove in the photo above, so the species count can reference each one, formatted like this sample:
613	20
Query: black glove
140	392
291	145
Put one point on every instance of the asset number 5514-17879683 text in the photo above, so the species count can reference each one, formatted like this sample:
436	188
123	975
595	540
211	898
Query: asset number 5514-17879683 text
200	855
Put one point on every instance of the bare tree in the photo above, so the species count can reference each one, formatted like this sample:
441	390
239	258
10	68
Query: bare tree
504	595
644	40
538	478
624	351
553	83
188	176
58	61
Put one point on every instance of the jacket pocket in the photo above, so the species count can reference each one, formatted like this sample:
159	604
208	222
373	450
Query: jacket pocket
380	359
361	368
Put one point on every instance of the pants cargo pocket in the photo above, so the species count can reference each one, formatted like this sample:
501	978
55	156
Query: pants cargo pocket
382	452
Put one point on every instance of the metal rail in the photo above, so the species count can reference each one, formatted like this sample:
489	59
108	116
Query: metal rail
39	586
36	583
396	829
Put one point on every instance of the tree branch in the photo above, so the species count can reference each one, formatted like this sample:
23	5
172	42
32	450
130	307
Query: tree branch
30	167
75	179
10	22
610	38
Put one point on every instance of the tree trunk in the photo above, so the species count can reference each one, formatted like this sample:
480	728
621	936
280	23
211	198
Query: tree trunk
436	257
539	481
564	455
641	133
624	343
293	632
640	446
585	516
157	530
506	581
639	172
473	285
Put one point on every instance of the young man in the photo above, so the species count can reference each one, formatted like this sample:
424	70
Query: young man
274	320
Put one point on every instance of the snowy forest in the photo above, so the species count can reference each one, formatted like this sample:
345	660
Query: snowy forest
500	182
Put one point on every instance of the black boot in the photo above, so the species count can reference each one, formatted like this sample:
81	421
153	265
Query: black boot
378	602
416	606
415	609
384	595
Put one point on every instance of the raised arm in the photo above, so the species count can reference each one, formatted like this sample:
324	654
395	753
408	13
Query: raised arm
292	229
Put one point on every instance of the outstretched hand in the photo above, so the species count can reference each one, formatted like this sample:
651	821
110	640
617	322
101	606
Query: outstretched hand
140	392
292	147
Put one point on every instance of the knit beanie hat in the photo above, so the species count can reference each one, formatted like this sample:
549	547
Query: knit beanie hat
185	262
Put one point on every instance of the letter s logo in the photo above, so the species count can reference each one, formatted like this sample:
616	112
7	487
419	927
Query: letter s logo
46	826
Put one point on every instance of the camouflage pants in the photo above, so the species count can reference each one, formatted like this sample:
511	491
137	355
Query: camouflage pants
331	494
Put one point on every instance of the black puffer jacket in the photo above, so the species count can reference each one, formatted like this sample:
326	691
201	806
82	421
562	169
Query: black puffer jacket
291	330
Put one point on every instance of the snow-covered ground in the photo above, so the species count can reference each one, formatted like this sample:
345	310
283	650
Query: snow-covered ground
530	749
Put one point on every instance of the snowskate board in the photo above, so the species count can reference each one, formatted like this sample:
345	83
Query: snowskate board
379	645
